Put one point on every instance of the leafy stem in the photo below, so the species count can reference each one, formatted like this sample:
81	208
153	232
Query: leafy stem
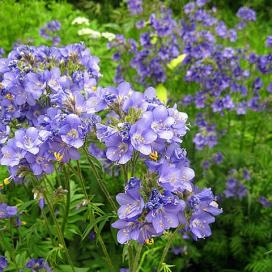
100	182
59	232
92	219
166	248
68	199
137	257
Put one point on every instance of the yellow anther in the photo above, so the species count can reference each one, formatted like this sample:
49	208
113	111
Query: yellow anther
23	222
149	241
73	133
8	96
154	156
94	88
7	181
58	156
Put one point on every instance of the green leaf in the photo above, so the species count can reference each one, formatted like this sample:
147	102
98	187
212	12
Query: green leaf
161	92
177	61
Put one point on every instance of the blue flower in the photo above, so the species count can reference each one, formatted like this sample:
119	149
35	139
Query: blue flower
246	14
142	136
132	205
164	210
3	263
7	211
72	131
39	264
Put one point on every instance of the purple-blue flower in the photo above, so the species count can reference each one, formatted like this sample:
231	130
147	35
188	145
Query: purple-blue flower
135	6
3	263
30	139
246	14
7	211
235	188
164	210
131	204
72	132
39	264
176	179
142	135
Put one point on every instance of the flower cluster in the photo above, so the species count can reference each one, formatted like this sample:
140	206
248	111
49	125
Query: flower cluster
39	264
225	82
207	135
157	47
45	114
246	14
234	187
144	215
49	31
135	6
140	127
222	72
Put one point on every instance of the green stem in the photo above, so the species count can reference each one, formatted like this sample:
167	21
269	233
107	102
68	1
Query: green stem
137	257
125	171
92	219
59	233
229	121
255	137
166	248
130	257
134	162
101	182
144	255
57	176
243	128
68	199
104	249
13	251
81	180
47	226
49	182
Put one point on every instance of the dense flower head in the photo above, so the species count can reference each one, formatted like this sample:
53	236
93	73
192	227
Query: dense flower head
46	91
142	216
146	127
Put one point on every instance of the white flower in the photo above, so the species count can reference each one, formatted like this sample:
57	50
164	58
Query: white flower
81	21
109	36
88	31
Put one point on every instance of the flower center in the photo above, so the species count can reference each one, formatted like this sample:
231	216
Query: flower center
73	133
